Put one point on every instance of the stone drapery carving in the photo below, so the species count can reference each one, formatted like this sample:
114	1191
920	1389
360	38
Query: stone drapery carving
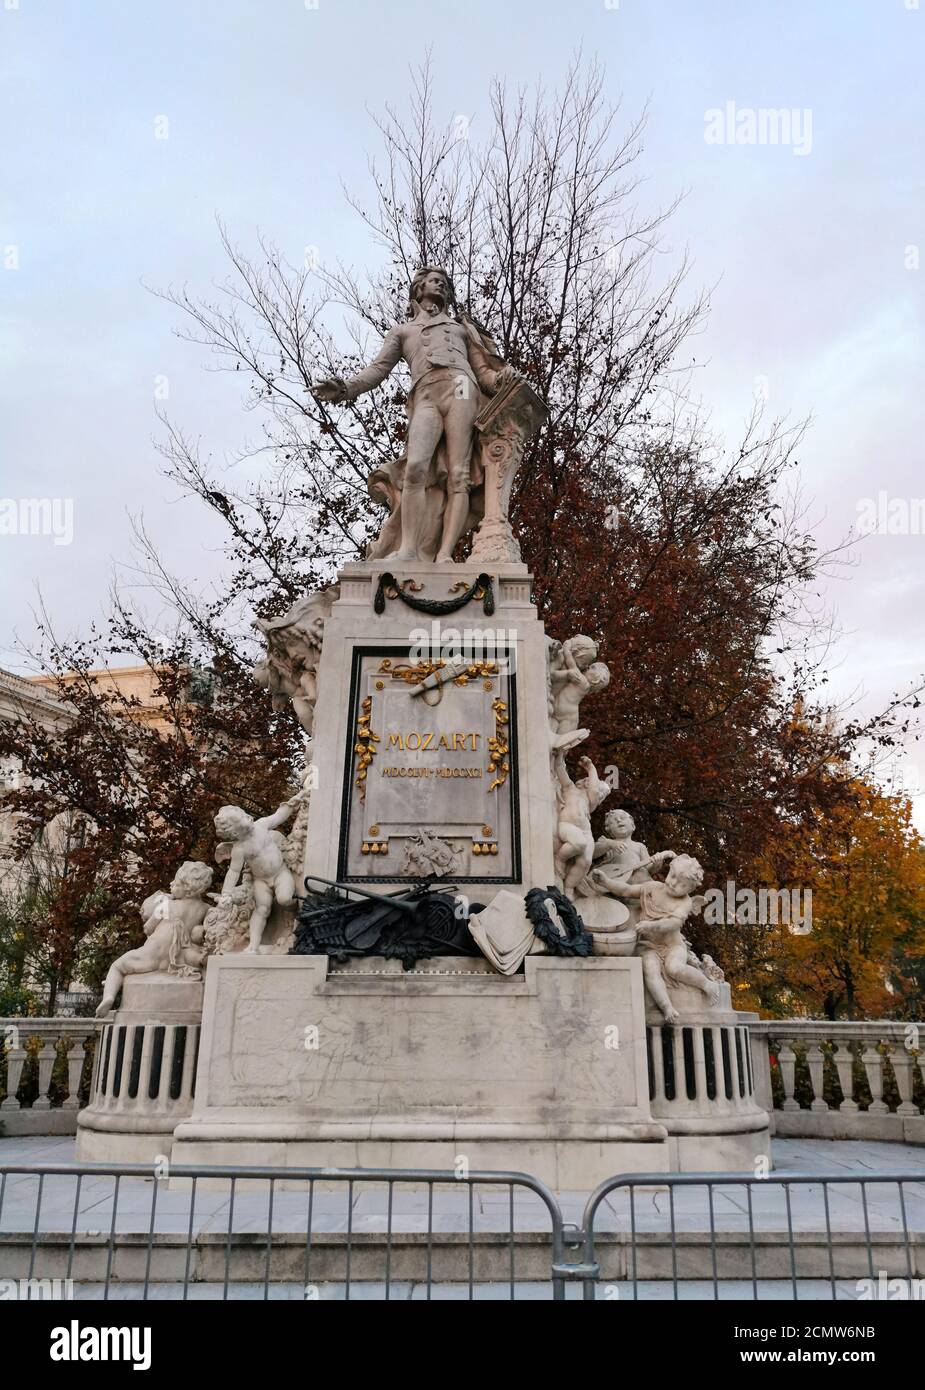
503	932
513	415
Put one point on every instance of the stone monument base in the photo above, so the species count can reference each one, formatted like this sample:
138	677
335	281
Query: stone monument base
308	1064
144	1075
703	1085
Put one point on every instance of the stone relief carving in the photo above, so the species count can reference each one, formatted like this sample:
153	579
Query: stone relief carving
427	854
289	669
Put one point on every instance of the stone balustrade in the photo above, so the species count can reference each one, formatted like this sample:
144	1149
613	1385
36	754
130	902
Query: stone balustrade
62	1049
863	1080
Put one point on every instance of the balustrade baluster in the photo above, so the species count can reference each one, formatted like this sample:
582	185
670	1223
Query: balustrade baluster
873	1065
816	1059
901	1062
47	1058
844	1065
787	1059
15	1061
75	1065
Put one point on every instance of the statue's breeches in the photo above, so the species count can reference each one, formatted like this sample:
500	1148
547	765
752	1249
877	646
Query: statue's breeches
444	405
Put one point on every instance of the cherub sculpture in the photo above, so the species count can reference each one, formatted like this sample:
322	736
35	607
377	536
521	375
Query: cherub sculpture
574	673
618	854
660	943
618	859
577	801
258	846
174	932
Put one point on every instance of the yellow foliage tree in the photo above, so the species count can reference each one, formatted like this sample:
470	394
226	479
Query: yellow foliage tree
864	864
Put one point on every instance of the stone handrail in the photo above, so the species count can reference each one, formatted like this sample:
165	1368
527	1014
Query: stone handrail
854	1060
47	1038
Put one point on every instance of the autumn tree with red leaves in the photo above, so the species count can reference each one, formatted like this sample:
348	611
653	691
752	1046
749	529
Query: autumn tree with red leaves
128	799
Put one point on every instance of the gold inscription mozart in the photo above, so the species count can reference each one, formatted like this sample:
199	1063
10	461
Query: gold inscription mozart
415	742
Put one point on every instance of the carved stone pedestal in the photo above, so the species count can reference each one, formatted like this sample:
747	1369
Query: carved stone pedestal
145	1072
451	779
702	1085
543	1072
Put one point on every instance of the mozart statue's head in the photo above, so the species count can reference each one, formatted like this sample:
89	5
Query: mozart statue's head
433	282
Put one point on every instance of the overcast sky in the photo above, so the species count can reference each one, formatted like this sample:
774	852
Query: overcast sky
812	245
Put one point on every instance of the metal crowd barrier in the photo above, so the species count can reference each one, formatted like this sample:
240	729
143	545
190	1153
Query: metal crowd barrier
778	1239
290	1232
133	1231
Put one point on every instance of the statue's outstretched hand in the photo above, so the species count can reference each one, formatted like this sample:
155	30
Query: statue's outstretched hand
332	390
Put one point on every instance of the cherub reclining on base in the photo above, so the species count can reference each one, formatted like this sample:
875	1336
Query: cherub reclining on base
173	931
